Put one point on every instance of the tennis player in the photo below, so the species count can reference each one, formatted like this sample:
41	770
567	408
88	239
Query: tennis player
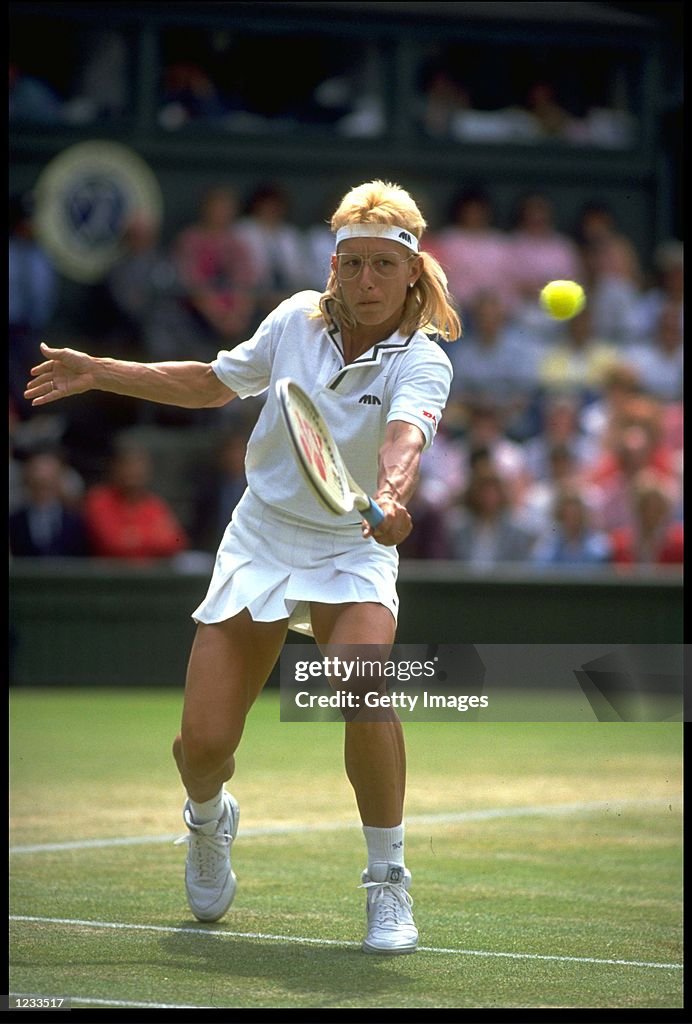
365	351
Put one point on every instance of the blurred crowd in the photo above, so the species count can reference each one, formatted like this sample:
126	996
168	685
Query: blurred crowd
219	81
562	443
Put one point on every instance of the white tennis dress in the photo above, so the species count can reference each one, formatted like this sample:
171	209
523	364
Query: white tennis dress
282	549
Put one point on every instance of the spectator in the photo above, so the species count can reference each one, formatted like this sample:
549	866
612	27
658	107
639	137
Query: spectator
655	536
625	403
102	83
32	296
550	117
613	274
485	436
560	428
620	386
614	287
473	252
563	470
447	107
217	272
571	538
46	525
38	434
673	430
668	289
220	492
635	448
368	113
578	361
539	253
320	249
277	247
125	518
443	469
319	244
347	93
483	532
429	536
658	361
444	102
495	359
189	94
595	224
332	99
144	288
638	410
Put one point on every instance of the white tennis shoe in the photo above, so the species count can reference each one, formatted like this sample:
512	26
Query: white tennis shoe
210	882
390	922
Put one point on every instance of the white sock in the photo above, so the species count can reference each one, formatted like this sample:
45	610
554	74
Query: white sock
207	810
385	848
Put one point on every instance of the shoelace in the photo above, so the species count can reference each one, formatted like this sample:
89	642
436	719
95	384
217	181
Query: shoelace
391	903
207	851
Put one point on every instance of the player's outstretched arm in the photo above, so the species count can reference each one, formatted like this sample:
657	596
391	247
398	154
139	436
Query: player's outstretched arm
65	372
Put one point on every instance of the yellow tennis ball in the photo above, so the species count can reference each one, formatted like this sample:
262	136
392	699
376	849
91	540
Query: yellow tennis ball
563	299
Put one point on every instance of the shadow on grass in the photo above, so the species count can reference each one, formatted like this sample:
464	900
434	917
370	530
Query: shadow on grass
321	975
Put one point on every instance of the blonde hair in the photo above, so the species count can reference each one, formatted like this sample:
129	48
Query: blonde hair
428	304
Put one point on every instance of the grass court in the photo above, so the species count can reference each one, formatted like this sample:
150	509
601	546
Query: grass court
546	860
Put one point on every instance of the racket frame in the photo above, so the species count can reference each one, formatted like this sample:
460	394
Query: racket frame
293	402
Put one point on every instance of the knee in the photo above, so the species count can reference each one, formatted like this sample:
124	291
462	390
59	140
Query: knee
202	754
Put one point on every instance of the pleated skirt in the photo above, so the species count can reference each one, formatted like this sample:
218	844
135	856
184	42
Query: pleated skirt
275	565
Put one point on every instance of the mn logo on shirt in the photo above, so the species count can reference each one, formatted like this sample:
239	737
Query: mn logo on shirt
369	400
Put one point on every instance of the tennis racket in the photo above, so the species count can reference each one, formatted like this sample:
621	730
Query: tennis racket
319	458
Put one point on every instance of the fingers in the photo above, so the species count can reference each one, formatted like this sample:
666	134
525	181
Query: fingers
394	528
51	356
47	365
41	368
41	384
384	536
41	390
42	397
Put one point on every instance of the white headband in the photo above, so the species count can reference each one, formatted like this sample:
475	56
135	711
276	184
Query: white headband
396	234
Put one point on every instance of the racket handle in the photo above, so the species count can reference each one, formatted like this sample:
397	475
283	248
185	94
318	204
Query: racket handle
373	514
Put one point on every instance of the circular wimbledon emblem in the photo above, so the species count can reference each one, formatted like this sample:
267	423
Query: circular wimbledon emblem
84	200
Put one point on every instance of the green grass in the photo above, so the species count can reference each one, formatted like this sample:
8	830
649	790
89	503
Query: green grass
599	882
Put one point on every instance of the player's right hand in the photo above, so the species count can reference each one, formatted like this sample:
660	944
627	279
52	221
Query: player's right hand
64	372
396	525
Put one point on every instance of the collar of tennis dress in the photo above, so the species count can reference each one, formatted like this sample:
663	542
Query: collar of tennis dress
396	234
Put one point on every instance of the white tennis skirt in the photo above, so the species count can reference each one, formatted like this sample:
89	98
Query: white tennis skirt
275	566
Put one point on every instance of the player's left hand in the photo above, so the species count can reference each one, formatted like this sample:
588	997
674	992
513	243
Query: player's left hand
396	525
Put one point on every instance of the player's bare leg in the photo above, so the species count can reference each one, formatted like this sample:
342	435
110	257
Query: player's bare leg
374	750
375	762
229	664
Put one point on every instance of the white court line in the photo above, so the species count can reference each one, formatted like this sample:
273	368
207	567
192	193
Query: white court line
304	941
452	817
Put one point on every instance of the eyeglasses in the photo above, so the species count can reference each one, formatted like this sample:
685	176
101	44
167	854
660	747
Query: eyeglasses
385	264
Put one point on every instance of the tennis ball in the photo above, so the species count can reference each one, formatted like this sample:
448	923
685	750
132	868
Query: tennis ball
563	299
